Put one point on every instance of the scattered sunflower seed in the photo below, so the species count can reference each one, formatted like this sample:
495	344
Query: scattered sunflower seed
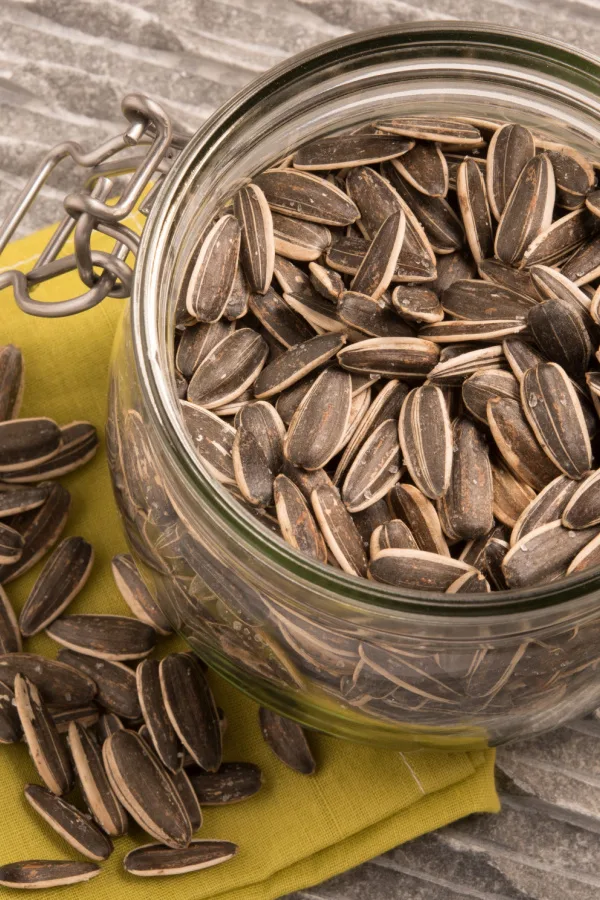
162	735
58	683
10	725
157	860
136	595
115	638
288	741
97	792
191	708
232	783
46	873
69	823
43	740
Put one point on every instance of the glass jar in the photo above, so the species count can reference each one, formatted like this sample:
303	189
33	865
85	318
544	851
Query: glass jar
344	655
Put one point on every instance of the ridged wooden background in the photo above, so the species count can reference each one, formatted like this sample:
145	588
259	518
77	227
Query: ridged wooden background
64	65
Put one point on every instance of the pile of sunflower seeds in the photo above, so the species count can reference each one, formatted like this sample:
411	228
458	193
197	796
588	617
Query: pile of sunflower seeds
386	348
141	738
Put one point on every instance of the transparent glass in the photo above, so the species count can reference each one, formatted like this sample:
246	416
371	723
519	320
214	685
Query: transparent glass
340	654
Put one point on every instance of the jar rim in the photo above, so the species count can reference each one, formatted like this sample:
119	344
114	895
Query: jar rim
364	595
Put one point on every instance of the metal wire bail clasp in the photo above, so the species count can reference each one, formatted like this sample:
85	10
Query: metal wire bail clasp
87	210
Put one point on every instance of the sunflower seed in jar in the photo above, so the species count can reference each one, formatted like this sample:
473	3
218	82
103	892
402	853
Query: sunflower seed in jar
453	369
392	534
46	873
587	558
258	451
480	387
407	503
475	210
196	343
375	468
517	443
510	149
279	319
424	166
10	725
117	691
162	735
544	555
528	211
299	361
470	583
481	300
233	783
24	442
213	275
553	410
358	410
511	496
404	357
426	439
61	579
43	740
58	683
71	824
379	263
432	128
11	381
228	369
574	176
318	312
417	304
362	313
370	519
559	240
98	794
322	416
145	789
494	554
306	196
451	267
442	226
583	508
290	399
468	502
257	247
592	201
299	240
547	506
473	552
298	526
349	150
116	638
416	569
191	708
213	440
288	741
136	595
338	529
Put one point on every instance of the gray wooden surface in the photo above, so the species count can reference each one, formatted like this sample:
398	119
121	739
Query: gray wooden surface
64	65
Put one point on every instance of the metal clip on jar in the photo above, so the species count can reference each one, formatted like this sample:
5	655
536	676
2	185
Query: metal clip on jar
343	655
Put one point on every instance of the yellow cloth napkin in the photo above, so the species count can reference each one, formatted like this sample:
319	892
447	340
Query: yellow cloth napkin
299	830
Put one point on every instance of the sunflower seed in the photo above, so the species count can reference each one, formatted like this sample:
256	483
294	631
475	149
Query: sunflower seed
27	441
379	262
107	724
196	343
547	506
326	281
22	499
556	548
517	280
481	300
290	277
61	579
426	440
153	860
57	683
11	545
306	196
494	554
451	267
521	356
318	312
368	316
454	162
239	296
338	529
468	502
298	526
86	716
287	741
289	400
184	786
257	248
11	381
574	177
407	357
475	210
416	569
213	440
583	508
46	873
470	583
584	265
511	496
323	414
191	708
554	412
528	210
145	789
442	226
517	443
117	691
43	741
136	595
358	410
296	363
592	201
480	387
587	558
369	520
557	242
279	319
10	725
69	823
228	369
417	304
162	735
115	638
93	780
454	369
258	451
233	783
347	150
415	510
79	445
425	168
299	240
375	469
40	528
471	330
510	149
432	128
554	286
212	278
561	334
392	534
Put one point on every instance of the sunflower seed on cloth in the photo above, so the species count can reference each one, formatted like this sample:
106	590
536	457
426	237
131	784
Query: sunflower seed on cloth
11	545
117	691
58	683
297	362
162	734
191	708
361	312
239	296
481	300
98	794
298	526
510	149
196	343
69	823
426	439
338	529
517	443
587	558
186	791
152	860
323	414
61	579
213	275
475	209
432	128
574	177
511	496
78	445
470	583
10	725
228	369
485	384
454	369
257	247
11	381
553	410
27	441
257	451
521	356
86	716
416	569
583	508
528	211
213	440
417	304
136	595
299	240
394	533
408	357
116	638
468	502
544	555
306	196
232	783
40	529
288	741
43	740
424	166
407	503
145	789
348	150
375	468
46	873
442	226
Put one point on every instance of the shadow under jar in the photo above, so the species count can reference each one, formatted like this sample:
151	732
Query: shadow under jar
348	656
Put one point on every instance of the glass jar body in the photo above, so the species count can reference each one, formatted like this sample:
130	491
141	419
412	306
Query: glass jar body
352	659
